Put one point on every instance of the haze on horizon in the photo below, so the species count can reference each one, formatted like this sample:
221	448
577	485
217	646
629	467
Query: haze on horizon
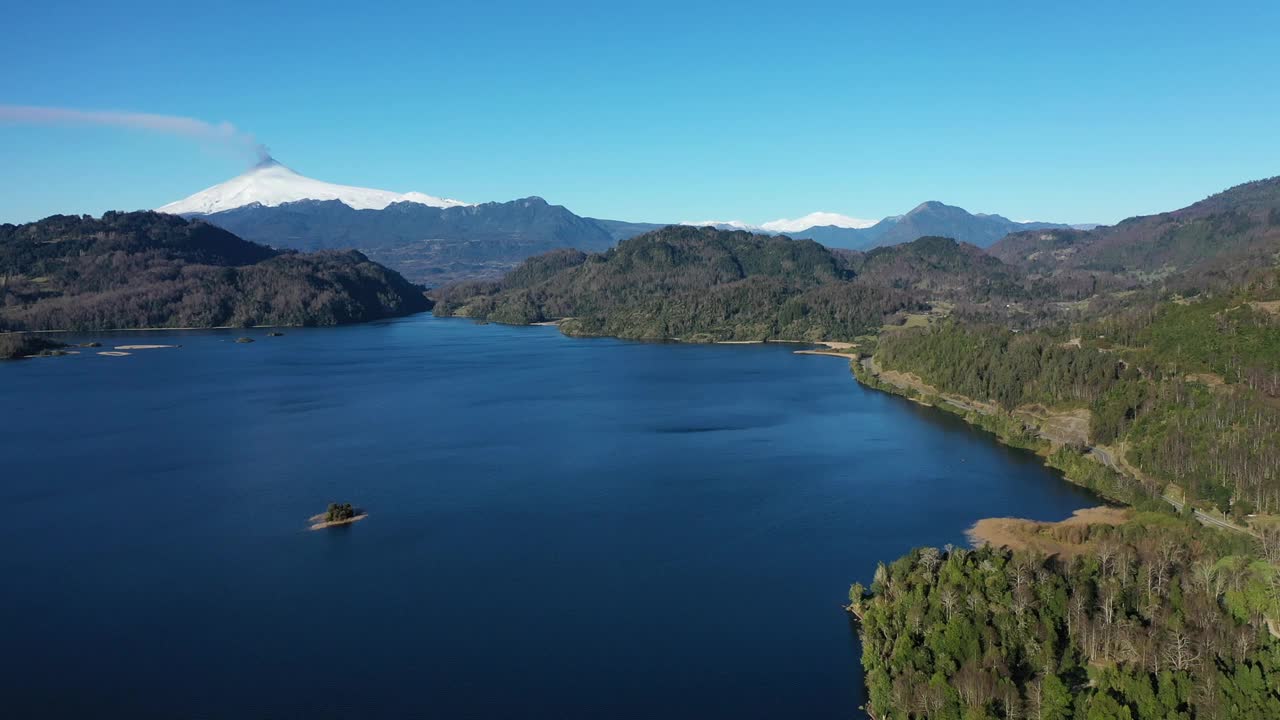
660	113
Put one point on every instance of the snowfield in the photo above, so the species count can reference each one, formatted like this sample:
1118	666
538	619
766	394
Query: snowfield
269	183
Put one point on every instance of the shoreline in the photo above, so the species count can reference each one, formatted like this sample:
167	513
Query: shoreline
156	329
319	523
828	353
833	346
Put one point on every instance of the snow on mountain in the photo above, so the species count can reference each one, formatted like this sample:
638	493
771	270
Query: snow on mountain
816	219
721	224
269	183
785	225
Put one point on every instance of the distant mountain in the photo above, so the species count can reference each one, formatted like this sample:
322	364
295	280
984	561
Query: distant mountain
815	219
1220	238
146	269
436	241
431	240
786	226
621	230
271	184
431	245
929	219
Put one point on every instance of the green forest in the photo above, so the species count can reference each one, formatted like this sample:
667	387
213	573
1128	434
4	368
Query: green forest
1156	621
1189	388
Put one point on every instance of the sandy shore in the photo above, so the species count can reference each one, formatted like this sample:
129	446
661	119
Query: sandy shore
828	353
318	522
1020	534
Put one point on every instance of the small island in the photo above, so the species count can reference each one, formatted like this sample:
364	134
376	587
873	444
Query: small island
336	515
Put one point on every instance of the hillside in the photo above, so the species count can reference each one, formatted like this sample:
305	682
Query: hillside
941	268
1213	242
146	269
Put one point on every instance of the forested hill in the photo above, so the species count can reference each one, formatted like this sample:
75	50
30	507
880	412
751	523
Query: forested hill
1212	243
145	269
702	283
941	268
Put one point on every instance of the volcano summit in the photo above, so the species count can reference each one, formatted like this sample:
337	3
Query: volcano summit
271	184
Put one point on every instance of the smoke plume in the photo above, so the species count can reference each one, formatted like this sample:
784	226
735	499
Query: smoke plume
224	133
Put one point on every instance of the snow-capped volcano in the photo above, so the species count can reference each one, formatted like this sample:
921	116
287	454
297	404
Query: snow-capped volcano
270	184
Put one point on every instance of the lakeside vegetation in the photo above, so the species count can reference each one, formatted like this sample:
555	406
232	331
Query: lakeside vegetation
145	269
20	345
1185	391
1159	619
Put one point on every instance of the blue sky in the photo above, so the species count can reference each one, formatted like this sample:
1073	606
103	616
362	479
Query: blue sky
658	111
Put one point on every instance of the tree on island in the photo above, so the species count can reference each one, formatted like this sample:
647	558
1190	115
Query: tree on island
338	513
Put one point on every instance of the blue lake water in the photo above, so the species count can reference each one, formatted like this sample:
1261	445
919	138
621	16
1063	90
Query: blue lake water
558	528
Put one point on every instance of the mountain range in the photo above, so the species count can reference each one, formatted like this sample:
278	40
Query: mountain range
435	240
926	219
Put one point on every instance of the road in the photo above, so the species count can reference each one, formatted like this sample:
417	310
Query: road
1105	457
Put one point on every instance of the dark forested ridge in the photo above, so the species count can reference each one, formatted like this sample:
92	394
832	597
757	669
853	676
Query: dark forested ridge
940	268
145	269
707	284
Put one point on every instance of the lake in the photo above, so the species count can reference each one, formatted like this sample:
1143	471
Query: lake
558	527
